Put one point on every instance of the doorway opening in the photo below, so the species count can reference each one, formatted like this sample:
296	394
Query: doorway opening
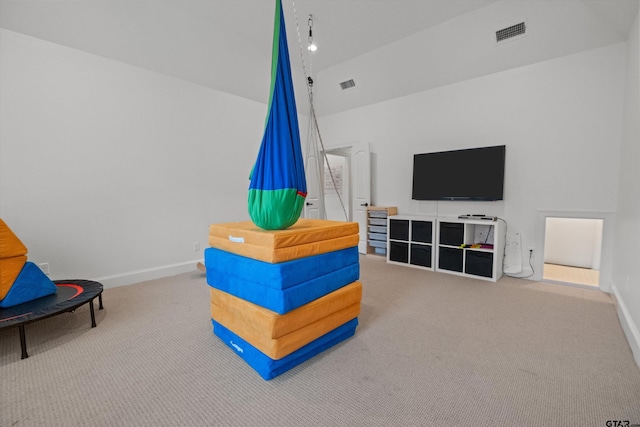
337	184
573	250
354	160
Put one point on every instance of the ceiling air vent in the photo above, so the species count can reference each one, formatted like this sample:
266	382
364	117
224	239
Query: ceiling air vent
347	84
510	32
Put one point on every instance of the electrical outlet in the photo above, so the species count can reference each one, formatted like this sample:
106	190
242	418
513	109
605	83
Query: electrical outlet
196	246
44	266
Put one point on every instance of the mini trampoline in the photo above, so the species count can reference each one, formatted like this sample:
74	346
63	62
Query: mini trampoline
70	295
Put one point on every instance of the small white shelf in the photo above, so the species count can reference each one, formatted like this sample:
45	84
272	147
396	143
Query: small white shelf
410	242
470	247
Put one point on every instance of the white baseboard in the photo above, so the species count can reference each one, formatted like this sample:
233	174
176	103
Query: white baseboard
132	277
628	326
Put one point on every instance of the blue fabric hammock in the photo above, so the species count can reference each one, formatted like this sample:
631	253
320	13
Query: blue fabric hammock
278	185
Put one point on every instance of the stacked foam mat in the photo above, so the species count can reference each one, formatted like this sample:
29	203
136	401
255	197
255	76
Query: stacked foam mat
20	280
279	297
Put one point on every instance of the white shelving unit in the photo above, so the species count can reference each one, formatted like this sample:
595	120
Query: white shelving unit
411	241
464	247
377	229
470	247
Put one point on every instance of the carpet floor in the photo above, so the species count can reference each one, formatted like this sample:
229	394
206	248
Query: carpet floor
431	349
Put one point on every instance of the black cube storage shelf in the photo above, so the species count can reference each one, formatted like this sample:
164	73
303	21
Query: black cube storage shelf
470	247
411	241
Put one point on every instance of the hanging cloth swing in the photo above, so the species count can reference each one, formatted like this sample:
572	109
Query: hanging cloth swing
278	185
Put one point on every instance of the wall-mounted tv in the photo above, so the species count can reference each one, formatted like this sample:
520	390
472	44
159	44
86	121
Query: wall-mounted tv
470	174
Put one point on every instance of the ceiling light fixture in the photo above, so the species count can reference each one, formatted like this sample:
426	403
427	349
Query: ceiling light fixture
312	46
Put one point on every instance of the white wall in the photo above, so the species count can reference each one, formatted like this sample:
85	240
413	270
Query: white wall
626	275
574	242
110	171
560	121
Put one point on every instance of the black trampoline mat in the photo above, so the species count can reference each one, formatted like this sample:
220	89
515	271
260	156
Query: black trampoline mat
70	294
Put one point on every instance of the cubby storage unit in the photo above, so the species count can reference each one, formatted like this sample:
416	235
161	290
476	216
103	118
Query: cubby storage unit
470	247
377	228
411	240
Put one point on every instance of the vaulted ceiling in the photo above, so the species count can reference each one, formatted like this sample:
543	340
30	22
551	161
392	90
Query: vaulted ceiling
390	48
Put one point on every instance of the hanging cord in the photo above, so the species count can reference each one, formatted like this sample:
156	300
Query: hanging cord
312	147
304	67
313	121
324	152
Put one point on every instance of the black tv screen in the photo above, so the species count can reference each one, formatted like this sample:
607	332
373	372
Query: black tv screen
471	174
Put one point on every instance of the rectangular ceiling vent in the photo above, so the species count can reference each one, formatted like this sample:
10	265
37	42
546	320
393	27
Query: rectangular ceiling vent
510	32
347	84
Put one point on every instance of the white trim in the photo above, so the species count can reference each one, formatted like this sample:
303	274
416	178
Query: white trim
629	328
137	276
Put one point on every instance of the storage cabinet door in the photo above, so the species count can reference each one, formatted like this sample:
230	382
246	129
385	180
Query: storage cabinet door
399	252
451	233
450	259
420	255
399	229
421	231
479	263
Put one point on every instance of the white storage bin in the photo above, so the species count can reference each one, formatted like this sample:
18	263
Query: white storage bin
378	243
377	214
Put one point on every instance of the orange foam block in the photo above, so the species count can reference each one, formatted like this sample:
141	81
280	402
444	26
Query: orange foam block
305	238
278	335
10	245
12	258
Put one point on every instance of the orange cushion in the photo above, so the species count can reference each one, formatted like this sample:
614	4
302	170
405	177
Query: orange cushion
10	268
280	335
10	245
305	238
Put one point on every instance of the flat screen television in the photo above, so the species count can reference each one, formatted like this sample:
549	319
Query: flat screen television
470	174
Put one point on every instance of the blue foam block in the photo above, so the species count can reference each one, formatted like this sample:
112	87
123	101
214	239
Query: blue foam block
30	284
284	300
269	368
281	275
